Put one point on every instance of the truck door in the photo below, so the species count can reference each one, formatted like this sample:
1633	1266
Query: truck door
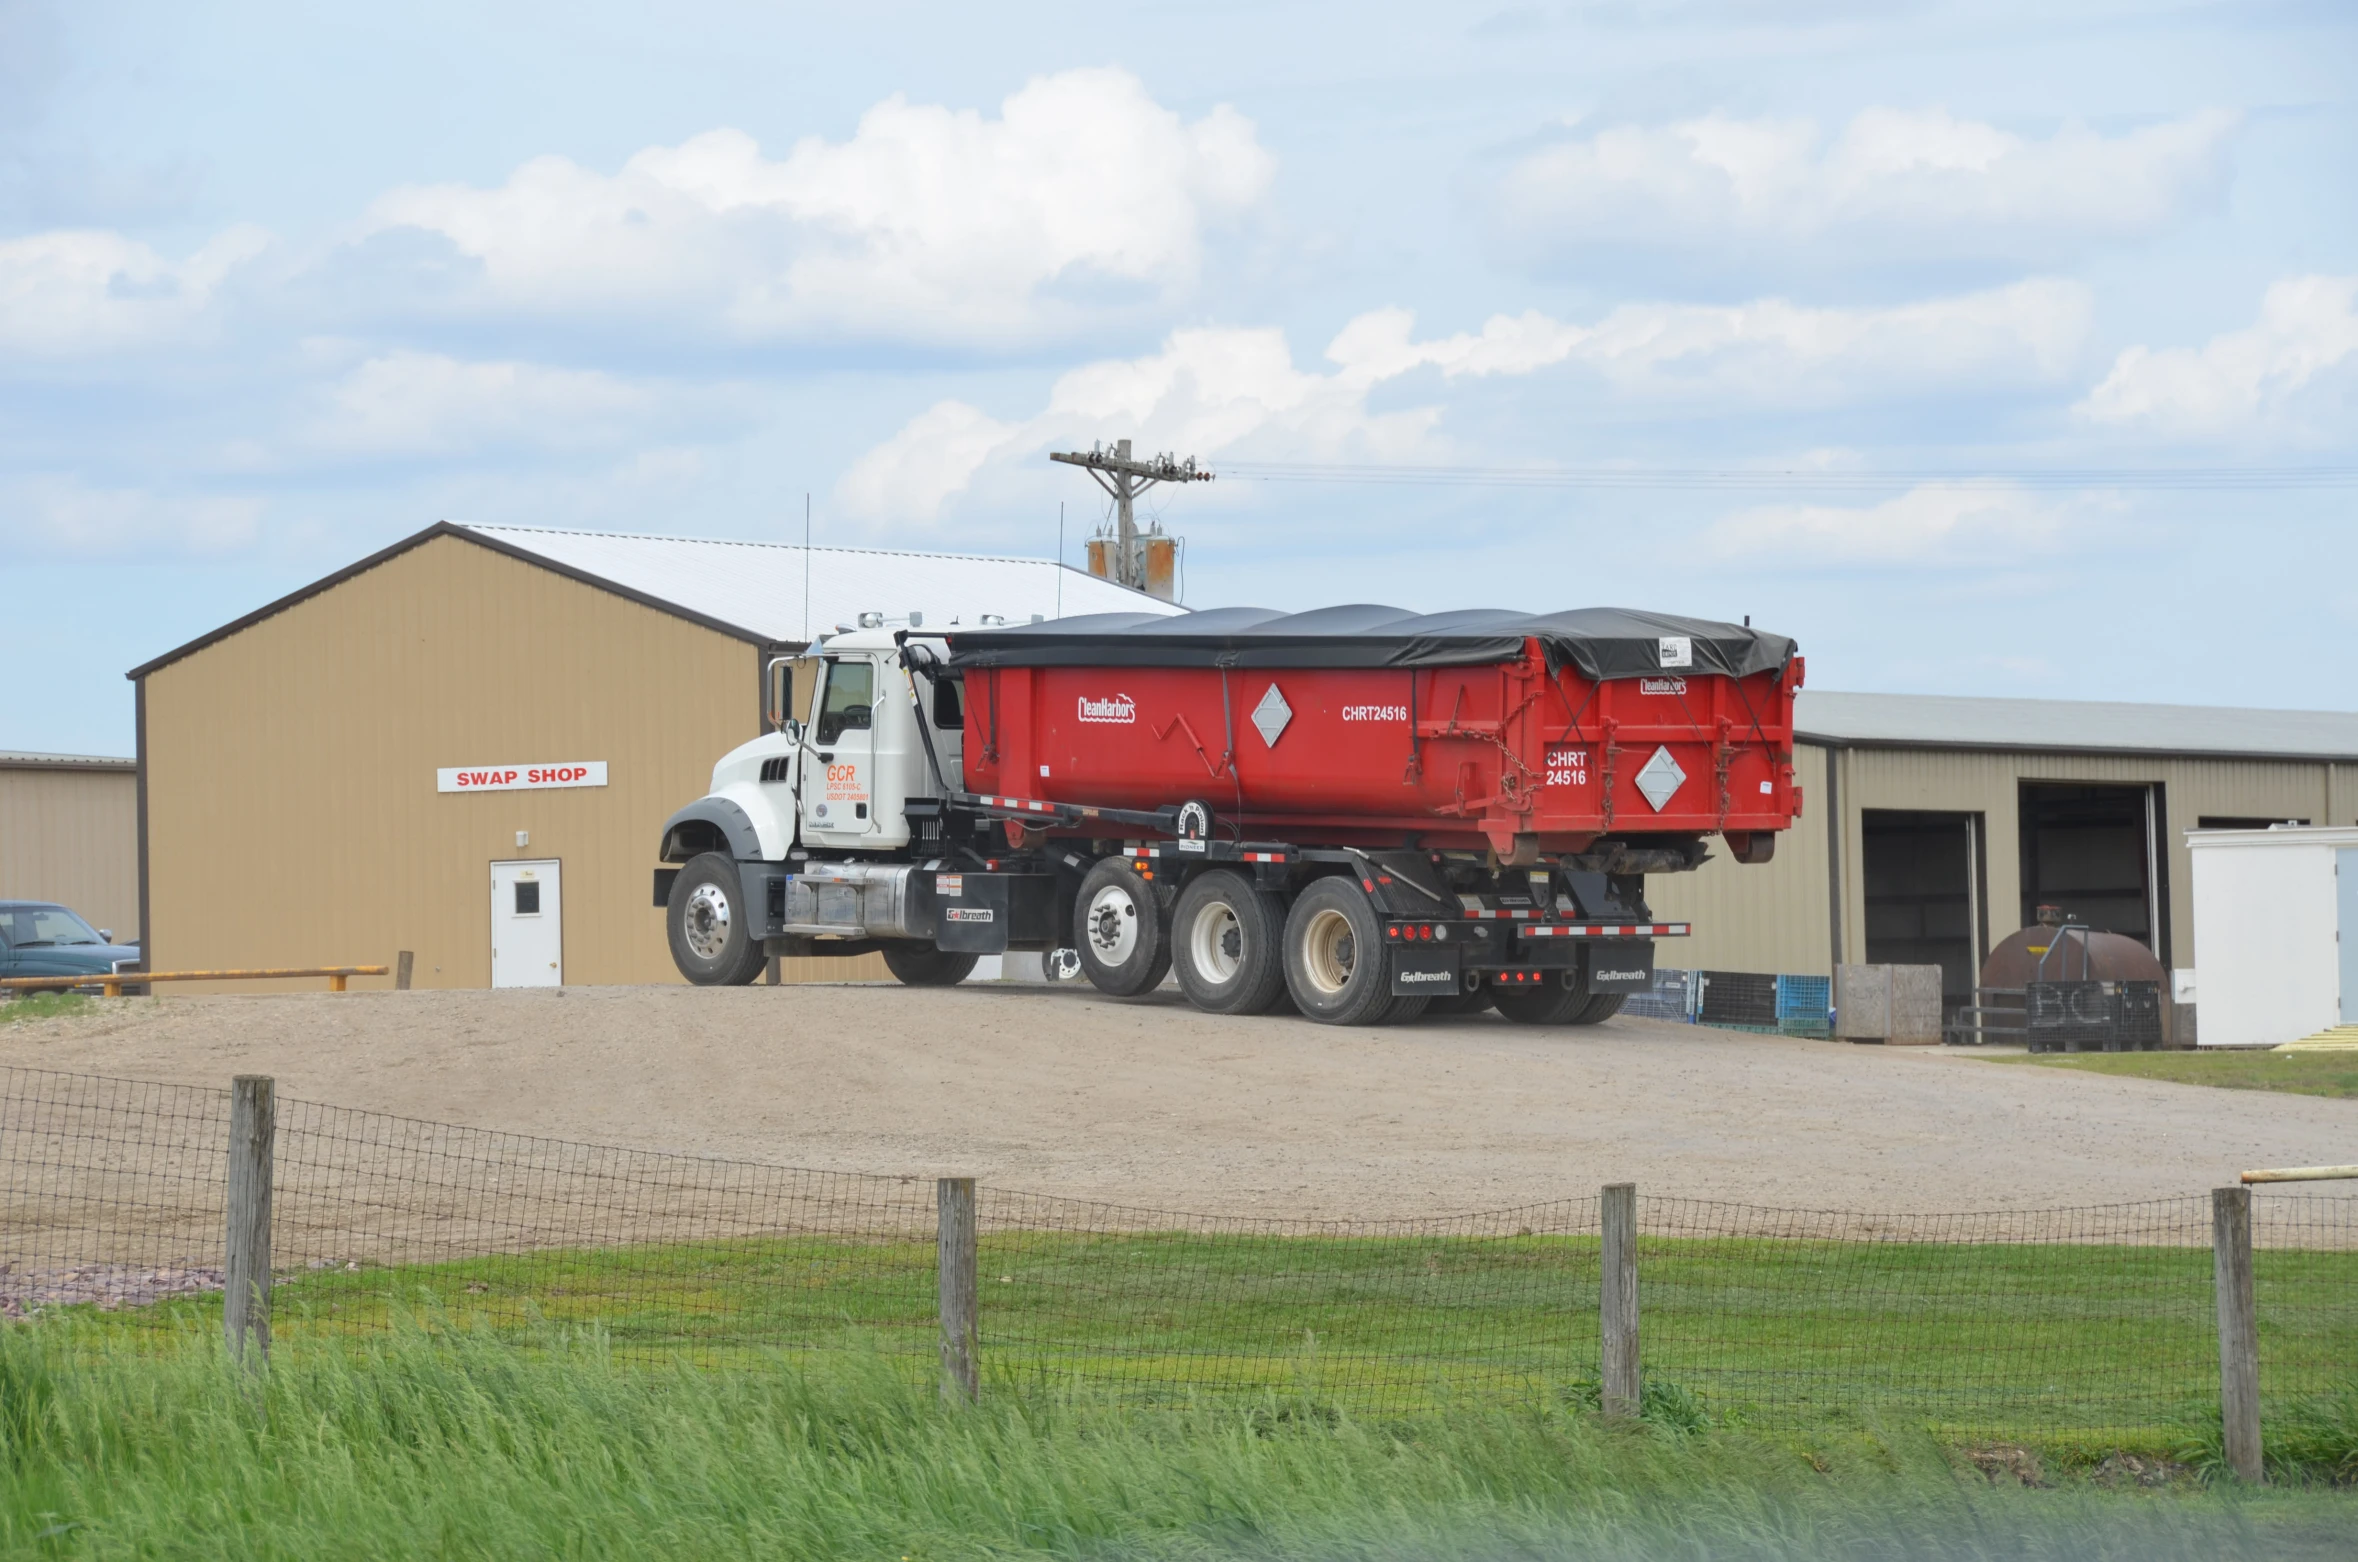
838	790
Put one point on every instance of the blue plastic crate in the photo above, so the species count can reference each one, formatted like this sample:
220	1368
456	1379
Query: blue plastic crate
1807	999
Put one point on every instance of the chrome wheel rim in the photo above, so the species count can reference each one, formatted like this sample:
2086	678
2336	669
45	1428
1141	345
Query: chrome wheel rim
1215	943
1113	924
706	922
1329	951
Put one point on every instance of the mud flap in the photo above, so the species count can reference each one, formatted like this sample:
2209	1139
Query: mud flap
1423	973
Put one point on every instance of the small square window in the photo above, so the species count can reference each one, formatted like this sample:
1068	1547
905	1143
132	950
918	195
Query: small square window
528	897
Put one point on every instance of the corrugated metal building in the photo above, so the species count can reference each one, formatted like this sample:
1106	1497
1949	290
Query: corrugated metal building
306	772
69	832
1934	826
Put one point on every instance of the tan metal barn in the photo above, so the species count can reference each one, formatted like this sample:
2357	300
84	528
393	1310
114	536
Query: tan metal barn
1934	826
69	832
312	774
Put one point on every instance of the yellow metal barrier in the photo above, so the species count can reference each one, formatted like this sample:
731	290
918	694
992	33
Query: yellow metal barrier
112	983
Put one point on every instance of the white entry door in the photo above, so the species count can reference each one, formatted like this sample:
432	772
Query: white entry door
527	925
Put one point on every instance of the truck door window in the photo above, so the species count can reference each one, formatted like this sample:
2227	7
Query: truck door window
851	699
949	713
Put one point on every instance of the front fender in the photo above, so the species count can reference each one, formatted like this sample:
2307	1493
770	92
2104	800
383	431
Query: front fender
714	823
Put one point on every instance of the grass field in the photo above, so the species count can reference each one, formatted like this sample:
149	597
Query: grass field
2296	1073
43	1006
2094	1346
470	1446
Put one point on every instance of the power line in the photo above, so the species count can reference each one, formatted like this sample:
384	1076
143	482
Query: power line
1794	479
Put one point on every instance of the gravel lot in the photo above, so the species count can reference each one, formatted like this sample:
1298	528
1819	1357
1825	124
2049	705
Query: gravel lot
1149	1103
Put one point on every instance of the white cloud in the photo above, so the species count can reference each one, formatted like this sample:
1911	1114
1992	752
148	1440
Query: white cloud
1935	523
2027	333
929	222
412	403
58	516
1238	391
73	291
2274	376
1892	181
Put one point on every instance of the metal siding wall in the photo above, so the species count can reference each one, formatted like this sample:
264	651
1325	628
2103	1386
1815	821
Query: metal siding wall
1774	918
1768	918
1990	783
72	836
293	818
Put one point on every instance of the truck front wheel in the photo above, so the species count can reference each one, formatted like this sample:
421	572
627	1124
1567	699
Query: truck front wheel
1118	929
712	937
1334	955
917	966
1227	944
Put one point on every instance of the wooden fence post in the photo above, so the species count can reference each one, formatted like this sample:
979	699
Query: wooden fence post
245	1279
2239	1332
1618	1300
955	1258
403	964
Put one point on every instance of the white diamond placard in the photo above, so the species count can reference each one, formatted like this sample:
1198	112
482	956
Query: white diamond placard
1659	779
1271	715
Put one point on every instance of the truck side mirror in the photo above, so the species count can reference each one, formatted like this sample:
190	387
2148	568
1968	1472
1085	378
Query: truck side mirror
793	730
106	935
778	679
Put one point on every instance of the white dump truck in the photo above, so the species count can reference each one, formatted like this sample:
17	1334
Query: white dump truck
1373	813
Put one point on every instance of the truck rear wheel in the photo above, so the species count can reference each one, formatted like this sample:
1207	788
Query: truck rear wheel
1334	955
1227	944
1118	928
917	966
1549	1003
1600	1007
711	928
1452	1005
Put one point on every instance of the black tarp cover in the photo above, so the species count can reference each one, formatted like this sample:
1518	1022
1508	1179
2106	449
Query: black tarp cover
1601	642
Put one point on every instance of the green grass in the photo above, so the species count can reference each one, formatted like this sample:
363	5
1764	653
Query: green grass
2105	1346
468	1446
2296	1073
45	1006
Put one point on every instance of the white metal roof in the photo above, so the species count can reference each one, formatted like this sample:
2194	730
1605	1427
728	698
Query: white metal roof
758	586
2072	726
23	759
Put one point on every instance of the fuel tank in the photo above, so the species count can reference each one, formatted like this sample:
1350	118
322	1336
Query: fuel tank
1362	725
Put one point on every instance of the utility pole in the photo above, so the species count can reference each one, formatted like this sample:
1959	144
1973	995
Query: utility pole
1126	479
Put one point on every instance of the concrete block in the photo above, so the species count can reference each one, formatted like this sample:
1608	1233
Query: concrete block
1898	1005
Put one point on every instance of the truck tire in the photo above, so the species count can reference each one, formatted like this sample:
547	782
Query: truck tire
915	965
1334	955
711	929
1457	1005
1118	929
1550	1003
1228	945
1600	1007
1407	1007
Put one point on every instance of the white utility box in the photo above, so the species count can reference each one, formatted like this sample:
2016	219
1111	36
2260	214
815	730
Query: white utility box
2275	932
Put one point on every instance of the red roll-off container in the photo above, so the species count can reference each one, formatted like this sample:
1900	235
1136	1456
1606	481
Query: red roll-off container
1367	725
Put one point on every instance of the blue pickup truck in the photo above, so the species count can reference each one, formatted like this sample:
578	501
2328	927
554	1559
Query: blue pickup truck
41	938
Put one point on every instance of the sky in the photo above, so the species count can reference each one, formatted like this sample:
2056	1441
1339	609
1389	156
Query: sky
1984	348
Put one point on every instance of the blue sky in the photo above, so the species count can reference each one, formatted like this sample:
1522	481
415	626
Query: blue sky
1956	287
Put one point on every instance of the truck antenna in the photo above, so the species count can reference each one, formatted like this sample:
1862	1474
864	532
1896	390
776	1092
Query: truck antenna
806	570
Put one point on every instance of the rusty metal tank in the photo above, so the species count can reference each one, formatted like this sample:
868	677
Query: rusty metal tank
2058	951
2060	986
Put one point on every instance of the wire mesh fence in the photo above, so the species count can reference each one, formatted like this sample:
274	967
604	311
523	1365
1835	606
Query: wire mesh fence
2097	1321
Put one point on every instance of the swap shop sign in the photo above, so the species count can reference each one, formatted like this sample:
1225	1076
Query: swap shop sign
521	778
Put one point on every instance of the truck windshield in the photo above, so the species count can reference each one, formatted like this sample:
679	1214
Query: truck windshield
39	927
850	701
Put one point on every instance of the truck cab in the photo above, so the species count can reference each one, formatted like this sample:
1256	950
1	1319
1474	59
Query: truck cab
803	842
864	755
